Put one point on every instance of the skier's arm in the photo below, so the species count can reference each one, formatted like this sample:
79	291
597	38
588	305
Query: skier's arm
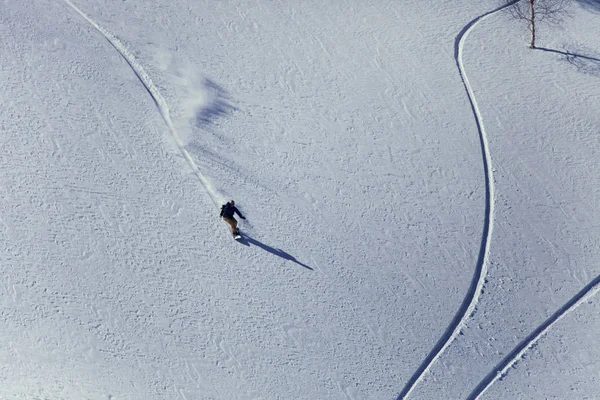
222	208
238	213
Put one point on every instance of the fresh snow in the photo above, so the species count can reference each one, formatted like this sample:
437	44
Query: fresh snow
421	189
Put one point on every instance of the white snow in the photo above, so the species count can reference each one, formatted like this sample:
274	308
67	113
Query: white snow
421	189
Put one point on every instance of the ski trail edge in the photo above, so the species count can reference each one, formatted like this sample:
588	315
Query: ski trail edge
472	297
517	353
161	104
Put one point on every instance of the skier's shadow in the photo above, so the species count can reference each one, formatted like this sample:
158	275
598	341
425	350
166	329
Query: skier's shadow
247	240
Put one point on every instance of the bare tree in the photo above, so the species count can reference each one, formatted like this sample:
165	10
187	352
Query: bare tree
536	11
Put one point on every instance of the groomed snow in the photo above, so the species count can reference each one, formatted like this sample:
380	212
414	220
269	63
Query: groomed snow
421	189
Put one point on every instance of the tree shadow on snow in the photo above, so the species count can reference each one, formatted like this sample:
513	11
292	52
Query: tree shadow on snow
247	240
593	5
218	105
585	64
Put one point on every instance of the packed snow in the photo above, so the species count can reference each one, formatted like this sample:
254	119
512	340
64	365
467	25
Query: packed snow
421	191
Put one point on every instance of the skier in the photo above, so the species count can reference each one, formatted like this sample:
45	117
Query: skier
227	212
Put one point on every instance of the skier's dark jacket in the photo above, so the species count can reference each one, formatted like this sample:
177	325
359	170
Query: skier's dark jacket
227	211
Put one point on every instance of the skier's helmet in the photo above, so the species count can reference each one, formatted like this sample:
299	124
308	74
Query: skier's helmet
232	203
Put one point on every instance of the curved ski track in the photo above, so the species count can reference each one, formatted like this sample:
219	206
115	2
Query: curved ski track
161	104
517	353
472	297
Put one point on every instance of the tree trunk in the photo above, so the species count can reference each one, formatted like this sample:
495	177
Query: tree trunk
532	22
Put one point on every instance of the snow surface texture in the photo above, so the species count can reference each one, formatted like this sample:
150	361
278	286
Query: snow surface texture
374	149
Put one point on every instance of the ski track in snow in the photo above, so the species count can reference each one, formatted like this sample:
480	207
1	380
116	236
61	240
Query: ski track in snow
472	297
518	352
161	104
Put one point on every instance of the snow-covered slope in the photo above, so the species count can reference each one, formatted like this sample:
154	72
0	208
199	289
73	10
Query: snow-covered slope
421	192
